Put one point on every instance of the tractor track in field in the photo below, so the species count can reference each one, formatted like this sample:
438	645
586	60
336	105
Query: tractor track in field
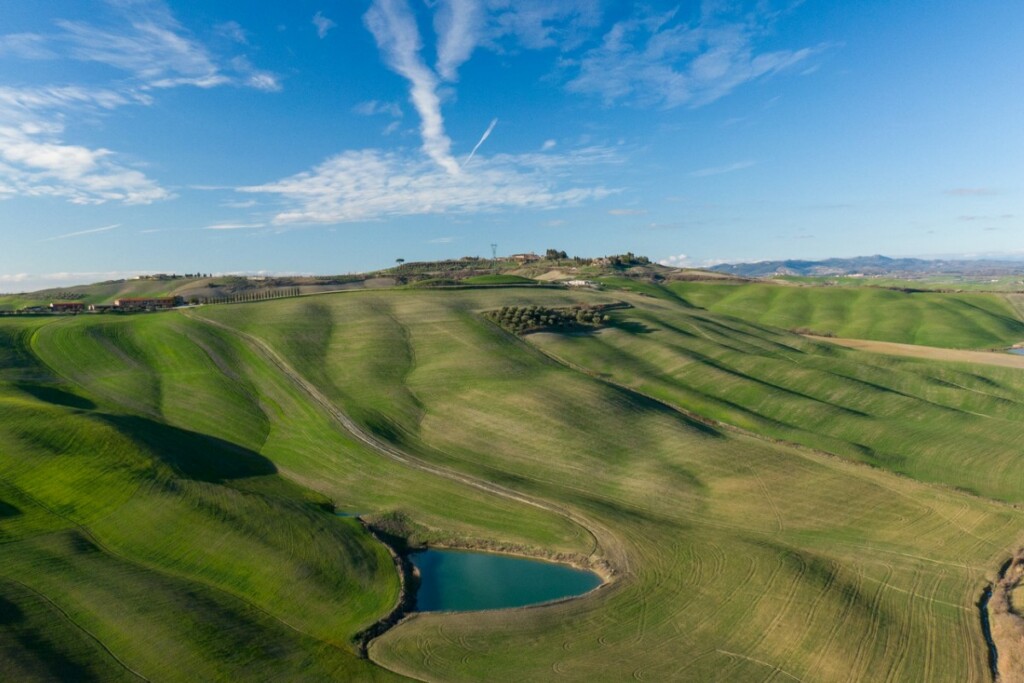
608	556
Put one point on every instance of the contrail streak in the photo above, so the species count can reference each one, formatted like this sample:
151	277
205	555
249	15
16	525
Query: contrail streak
487	134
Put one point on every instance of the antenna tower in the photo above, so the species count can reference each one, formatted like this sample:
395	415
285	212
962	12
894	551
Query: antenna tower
494	252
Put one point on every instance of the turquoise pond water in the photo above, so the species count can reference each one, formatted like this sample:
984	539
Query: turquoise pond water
454	580
1019	352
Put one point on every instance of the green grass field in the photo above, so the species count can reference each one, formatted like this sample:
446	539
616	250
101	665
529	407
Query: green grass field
969	321
499	279
164	479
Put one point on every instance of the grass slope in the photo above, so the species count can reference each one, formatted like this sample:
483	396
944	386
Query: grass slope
166	553
970	321
950	423
747	557
144	456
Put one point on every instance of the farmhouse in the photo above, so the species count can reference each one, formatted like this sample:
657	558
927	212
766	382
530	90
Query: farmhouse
525	258
67	307
100	308
582	283
147	303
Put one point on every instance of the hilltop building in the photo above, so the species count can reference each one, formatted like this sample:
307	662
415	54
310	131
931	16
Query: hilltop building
67	307
147	303
525	258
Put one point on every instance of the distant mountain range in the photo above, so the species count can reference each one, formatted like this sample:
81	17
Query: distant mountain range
871	265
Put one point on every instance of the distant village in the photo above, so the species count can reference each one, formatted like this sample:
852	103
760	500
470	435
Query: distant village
249	288
122	305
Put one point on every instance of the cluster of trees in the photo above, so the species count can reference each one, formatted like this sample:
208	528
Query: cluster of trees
262	294
524	319
618	260
172	276
628	259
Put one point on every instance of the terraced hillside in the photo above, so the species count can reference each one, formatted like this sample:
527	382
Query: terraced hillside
193	453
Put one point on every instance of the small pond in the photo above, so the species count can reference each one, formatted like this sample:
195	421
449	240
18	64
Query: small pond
455	580
1019	352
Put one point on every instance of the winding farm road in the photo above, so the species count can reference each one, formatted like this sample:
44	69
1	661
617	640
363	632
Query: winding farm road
606	546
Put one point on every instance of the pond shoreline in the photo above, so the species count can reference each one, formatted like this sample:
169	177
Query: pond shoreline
1002	624
401	552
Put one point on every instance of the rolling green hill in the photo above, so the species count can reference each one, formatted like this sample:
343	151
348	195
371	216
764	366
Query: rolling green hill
970	321
767	507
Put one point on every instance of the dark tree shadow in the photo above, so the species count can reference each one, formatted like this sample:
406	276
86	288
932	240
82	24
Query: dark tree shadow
8	510
34	651
192	455
631	326
55	396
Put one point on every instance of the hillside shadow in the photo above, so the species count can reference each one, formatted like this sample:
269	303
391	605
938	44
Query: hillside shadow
44	657
55	396
7	510
192	455
631	326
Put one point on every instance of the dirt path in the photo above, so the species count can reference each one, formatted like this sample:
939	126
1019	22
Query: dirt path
1006	626
1006	360
608	554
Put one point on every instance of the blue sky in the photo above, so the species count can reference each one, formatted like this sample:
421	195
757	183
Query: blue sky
336	136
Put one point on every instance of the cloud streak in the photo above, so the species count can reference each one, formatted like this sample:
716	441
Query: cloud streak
721	170
394	28
234	226
971	192
35	161
371	184
656	60
487	134
141	38
323	25
80	233
459	25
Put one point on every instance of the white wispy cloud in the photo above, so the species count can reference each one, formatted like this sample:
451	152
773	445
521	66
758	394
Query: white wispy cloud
35	160
373	184
240	204
719	170
18	103
141	38
323	24
375	107
502	25
80	233
540	24
394	28
35	281
676	261
487	134
459	25
548	145
158	54
657	60
26	46
233	31
972	217
971	191
627	212
42	165
234	226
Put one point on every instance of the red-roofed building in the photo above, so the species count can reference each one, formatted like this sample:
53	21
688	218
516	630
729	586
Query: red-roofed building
67	307
147	303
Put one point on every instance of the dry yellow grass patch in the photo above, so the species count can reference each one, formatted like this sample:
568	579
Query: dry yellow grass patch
1006	360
